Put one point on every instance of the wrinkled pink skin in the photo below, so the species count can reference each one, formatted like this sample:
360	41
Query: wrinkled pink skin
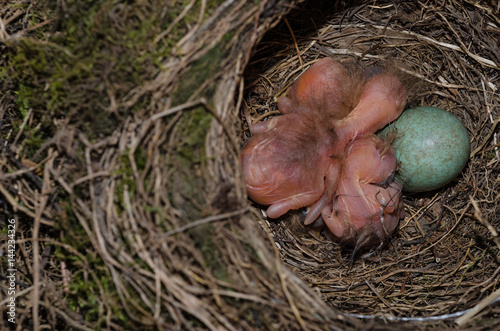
287	159
298	159
367	204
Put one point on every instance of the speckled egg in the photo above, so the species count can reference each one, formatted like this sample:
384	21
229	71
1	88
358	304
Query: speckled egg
431	145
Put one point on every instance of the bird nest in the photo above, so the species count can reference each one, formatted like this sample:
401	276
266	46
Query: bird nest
121	125
443	263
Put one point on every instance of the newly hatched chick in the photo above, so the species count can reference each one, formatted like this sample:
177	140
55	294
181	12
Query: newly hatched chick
288	159
296	160
382	100
367	204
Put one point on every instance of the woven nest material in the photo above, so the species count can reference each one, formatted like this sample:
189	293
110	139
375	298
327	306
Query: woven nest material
123	171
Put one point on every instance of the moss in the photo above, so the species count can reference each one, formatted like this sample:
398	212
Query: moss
204	238
88	276
200	71
195	126
188	185
93	55
187	182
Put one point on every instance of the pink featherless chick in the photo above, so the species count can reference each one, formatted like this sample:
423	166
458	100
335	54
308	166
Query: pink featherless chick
367	204
368	201
382	100
291	159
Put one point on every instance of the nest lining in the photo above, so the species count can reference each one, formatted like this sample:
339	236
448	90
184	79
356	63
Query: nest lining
445	257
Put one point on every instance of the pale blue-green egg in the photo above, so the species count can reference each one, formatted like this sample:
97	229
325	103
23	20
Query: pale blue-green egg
432	147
